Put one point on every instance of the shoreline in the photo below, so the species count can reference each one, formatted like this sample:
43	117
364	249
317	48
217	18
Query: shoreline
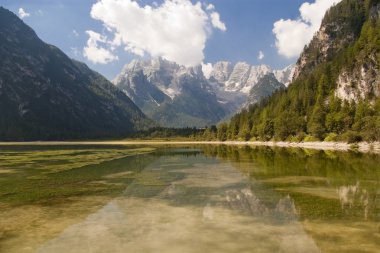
363	147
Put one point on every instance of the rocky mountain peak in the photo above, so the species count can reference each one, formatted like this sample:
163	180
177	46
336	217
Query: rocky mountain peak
221	71
160	64
241	77
285	75
158	84
14	27
265	87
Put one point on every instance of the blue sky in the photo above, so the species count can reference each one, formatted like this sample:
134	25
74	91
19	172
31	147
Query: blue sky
249	29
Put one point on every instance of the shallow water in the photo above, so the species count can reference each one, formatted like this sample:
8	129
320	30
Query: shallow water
188	199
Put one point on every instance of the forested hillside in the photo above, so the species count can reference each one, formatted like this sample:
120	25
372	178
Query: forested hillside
44	95
335	93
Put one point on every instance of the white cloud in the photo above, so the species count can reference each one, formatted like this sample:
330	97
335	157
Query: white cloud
261	56
215	20
23	14
75	33
293	35
207	69
94	52
210	7
176	30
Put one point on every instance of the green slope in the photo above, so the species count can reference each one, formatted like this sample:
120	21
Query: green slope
335	95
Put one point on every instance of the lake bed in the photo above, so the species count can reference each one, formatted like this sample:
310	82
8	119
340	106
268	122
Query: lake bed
200	198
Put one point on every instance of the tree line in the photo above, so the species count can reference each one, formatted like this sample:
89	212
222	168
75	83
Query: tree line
309	109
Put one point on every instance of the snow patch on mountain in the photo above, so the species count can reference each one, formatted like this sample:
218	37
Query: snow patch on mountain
175	95
158	71
285	75
242	77
224	76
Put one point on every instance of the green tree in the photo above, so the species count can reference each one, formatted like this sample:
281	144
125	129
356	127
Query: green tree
222	132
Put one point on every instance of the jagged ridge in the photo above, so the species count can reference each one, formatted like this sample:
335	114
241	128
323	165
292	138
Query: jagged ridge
179	96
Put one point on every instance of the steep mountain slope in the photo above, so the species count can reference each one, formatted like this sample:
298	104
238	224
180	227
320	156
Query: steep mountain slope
173	95
340	28
135	83
285	75
265	87
177	96
237	83
221	72
46	95
242	77
335	93
359	78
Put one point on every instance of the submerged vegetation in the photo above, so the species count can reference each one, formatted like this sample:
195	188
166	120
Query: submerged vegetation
326	200
325	185
48	175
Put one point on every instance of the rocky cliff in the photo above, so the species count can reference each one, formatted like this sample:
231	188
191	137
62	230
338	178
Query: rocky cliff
335	92
172	95
179	96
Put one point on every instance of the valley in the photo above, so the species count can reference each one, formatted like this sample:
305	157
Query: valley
228	126
331	94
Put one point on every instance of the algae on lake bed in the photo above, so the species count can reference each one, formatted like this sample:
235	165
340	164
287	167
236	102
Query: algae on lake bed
46	176
45	189
51	161
208	199
336	194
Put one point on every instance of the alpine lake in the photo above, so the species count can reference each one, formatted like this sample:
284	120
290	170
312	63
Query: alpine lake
206	198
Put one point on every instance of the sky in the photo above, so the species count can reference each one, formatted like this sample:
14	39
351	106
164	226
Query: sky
107	34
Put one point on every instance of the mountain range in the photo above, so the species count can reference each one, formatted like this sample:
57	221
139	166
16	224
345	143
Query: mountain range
45	95
179	96
331	93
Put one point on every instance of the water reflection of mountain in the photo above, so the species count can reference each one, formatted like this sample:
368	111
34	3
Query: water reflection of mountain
247	202
323	184
353	196
182	203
